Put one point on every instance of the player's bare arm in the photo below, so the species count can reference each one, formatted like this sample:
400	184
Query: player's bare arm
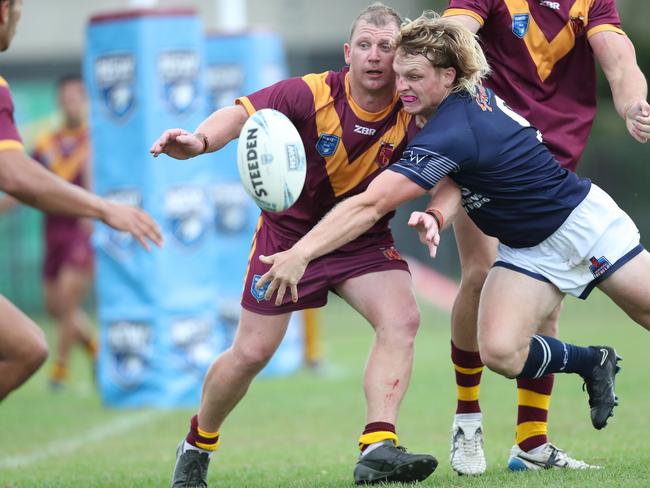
212	134
445	202
26	180
615	54
347	221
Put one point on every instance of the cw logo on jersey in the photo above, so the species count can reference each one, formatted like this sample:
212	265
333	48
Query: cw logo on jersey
130	351
179	72
115	80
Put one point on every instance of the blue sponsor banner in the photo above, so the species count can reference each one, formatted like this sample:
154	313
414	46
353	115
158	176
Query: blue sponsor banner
157	311
238	64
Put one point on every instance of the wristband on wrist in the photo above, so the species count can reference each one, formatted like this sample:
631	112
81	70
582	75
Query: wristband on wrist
437	215
204	139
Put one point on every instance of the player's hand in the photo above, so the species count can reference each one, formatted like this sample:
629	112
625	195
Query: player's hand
428	231
287	268
637	120
177	143
135	221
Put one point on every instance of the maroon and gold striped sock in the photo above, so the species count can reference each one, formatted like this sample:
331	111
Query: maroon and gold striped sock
468	368
377	432
534	397
208	441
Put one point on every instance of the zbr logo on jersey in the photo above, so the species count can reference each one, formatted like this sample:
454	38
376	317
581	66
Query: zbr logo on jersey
520	24
327	144
115	79
179	72
599	267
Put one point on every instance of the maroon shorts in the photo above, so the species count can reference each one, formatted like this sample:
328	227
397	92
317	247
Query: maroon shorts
321	275
71	248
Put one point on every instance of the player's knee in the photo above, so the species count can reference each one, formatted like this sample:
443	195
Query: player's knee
500	358
400	331
473	277
253	357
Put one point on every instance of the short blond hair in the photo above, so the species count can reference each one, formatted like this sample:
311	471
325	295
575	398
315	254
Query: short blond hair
377	14
446	44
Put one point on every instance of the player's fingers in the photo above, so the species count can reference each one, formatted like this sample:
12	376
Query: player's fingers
267	259
294	293
270	290
141	239
280	294
433	249
266	277
415	219
432	232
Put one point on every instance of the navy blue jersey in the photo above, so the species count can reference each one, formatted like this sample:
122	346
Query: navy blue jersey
512	187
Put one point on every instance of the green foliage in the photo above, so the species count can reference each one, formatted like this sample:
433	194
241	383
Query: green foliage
302	431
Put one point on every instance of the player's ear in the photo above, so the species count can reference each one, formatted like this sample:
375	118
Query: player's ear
346	52
449	76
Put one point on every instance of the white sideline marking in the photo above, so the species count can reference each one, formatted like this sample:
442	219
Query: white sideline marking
94	435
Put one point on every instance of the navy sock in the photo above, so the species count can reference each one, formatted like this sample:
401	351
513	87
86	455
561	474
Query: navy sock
550	355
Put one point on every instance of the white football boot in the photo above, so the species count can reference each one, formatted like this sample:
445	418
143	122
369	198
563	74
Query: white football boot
467	456
547	458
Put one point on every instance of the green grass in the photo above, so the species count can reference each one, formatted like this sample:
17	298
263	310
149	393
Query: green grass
302	431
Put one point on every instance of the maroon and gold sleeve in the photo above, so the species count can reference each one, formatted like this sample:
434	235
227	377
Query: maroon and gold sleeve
603	16
480	10
9	137
292	97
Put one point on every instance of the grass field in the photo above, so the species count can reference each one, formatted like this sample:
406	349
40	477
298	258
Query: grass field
302	431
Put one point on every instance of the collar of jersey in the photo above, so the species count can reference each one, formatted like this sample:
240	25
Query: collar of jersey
363	114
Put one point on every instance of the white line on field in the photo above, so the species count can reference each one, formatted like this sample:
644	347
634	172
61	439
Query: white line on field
91	436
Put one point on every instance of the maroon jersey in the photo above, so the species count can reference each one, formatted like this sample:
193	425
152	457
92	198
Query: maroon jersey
346	147
542	63
65	152
9	137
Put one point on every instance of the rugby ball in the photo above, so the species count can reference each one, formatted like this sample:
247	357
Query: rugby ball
271	160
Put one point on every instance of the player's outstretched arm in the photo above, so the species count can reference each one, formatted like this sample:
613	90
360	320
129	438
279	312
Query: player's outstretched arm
212	134
32	184
615	53
347	221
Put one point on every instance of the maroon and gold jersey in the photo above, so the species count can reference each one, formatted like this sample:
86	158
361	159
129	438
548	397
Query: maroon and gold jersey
346	147
66	153
542	63
9	137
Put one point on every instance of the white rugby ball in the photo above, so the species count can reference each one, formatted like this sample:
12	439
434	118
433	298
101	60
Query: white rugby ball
271	160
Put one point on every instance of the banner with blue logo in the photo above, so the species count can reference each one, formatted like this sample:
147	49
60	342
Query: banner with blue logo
157	311
165	315
236	65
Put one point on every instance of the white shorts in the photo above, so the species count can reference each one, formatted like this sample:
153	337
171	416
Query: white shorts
594	241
